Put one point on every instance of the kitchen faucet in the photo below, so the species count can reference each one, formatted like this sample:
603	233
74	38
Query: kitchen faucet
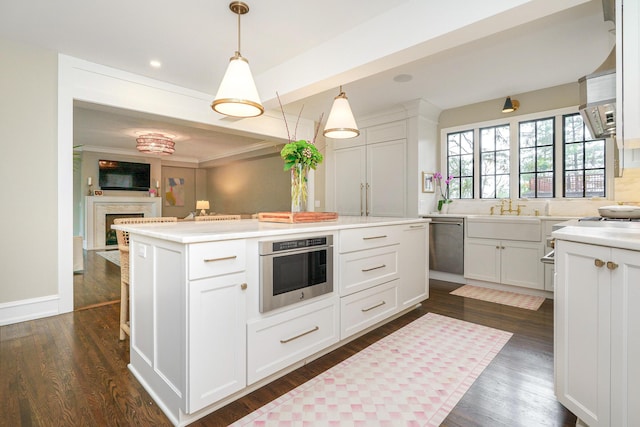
509	210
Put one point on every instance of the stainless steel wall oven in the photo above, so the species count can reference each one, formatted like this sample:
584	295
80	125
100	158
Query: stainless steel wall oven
295	270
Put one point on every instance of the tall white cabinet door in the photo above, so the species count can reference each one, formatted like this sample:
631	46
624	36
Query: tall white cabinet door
387	178
582	328
625	338
216	315
350	181
414	280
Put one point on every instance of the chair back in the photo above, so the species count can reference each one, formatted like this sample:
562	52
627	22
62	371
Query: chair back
123	236
217	218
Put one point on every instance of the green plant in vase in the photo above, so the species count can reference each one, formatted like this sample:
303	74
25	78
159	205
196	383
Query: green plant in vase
299	157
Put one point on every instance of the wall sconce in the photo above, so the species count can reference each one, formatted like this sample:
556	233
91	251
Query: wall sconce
203	205
510	105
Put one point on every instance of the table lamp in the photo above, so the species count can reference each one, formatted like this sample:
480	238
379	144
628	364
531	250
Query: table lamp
203	205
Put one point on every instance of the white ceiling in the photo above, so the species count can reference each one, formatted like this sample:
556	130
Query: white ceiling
194	39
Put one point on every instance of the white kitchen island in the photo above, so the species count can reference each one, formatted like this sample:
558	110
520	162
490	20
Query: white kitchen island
198	339
597	322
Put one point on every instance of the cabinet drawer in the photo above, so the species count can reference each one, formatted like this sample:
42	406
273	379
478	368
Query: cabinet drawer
363	309
279	341
364	269
356	239
216	258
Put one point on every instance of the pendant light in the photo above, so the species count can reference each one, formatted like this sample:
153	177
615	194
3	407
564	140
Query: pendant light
237	95
341	124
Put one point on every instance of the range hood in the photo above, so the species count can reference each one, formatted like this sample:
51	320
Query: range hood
598	98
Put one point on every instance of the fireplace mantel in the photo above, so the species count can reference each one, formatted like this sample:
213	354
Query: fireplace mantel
97	208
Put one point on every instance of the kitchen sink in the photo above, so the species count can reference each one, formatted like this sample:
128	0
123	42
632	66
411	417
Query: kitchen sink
504	227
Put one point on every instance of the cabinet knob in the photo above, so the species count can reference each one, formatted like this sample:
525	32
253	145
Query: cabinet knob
598	262
243	286
611	265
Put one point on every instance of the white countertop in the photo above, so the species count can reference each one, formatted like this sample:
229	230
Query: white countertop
498	217
209	231
625	235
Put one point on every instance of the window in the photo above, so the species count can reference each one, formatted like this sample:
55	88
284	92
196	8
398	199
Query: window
460	164
494	162
536	158
584	160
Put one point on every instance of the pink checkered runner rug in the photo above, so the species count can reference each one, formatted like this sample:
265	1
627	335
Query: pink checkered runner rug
414	376
513	299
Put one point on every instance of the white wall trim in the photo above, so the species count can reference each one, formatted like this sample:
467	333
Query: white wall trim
29	309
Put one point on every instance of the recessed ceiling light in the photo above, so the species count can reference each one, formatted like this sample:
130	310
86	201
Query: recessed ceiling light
155	64
403	78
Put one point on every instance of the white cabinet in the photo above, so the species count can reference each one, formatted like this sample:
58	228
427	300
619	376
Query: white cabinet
381	271
217	339
279	341
597	333
216	314
414	267
188	337
507	262
363	309
628	53
370	174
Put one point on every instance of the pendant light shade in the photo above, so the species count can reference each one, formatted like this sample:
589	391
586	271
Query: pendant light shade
237	95
341	124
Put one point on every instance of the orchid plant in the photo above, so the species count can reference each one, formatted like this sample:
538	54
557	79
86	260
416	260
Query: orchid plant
444	193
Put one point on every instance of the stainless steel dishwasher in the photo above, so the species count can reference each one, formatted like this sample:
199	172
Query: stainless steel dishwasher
446	245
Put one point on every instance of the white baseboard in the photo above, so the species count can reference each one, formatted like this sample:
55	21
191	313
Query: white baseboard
29	309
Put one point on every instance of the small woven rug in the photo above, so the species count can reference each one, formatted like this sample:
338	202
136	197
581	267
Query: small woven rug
113	256
414	376
513	299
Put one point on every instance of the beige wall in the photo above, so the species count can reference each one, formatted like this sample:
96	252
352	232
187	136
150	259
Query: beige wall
249	186
28	107
531	102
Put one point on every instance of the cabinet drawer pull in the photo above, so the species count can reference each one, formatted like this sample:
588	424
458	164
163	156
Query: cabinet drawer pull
286	340
598	262
364	270
243	286
226	258
611	265
380	304
416	226
374	237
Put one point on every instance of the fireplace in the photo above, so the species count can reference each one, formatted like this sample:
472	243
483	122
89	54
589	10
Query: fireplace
110	238
97	208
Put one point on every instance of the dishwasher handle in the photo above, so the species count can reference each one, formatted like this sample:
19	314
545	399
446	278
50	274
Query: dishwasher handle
448	222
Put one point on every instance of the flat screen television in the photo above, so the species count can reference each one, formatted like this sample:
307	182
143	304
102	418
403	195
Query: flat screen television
117	175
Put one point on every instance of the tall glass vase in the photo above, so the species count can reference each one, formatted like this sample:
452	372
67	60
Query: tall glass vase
299	181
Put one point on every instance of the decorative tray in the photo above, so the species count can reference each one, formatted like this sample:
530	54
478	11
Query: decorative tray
295	217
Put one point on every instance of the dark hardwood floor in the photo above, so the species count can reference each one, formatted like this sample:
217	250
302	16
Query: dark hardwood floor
98	284
71	370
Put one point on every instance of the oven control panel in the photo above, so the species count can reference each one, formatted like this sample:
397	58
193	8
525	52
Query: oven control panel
288	245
